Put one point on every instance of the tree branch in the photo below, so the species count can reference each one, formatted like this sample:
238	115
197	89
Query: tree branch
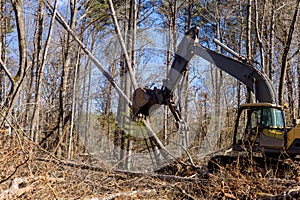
7	72
285	54
122	43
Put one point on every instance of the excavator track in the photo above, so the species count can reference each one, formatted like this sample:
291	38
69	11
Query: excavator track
279	166
258	166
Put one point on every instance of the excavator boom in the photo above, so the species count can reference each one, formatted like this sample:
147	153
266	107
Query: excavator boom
145	98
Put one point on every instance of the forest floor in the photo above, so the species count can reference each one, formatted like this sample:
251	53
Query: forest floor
29	172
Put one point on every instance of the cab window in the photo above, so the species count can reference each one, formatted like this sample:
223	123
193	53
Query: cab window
272	117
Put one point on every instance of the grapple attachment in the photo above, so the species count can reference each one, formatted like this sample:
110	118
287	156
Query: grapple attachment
146	100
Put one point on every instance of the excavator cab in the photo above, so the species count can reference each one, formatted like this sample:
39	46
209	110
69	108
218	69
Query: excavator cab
261	127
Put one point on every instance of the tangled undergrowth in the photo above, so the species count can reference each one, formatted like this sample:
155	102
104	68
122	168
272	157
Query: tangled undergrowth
29	172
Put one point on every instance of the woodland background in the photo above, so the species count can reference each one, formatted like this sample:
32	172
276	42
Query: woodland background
52	94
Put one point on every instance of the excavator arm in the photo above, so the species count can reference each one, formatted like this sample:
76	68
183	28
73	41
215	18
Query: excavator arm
254	79
144	99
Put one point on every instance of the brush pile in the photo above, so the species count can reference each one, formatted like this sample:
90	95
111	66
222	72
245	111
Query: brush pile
29	172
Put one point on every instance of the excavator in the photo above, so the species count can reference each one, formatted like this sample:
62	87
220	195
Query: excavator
259	126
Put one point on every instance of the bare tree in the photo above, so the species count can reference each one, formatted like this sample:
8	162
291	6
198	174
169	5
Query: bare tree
286	50
17	80
272	45
127	77
64	103
3	30
298	77
40	71
259	33
249	42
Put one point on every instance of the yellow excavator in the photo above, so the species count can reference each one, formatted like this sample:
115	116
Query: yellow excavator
260	126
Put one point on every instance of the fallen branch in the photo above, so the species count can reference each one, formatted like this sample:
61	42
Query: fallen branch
127	194
290	194
74	164
17	167
105	169
189	196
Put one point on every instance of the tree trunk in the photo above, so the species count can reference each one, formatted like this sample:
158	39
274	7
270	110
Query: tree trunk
272	38
35	121
74	95
2	47
290	89
258	32
64	110
186	79
285	54
31	83
131	49
218	84
84	103
250	97
298	77
239	86
17	80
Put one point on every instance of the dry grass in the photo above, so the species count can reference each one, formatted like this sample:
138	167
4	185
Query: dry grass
29	172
